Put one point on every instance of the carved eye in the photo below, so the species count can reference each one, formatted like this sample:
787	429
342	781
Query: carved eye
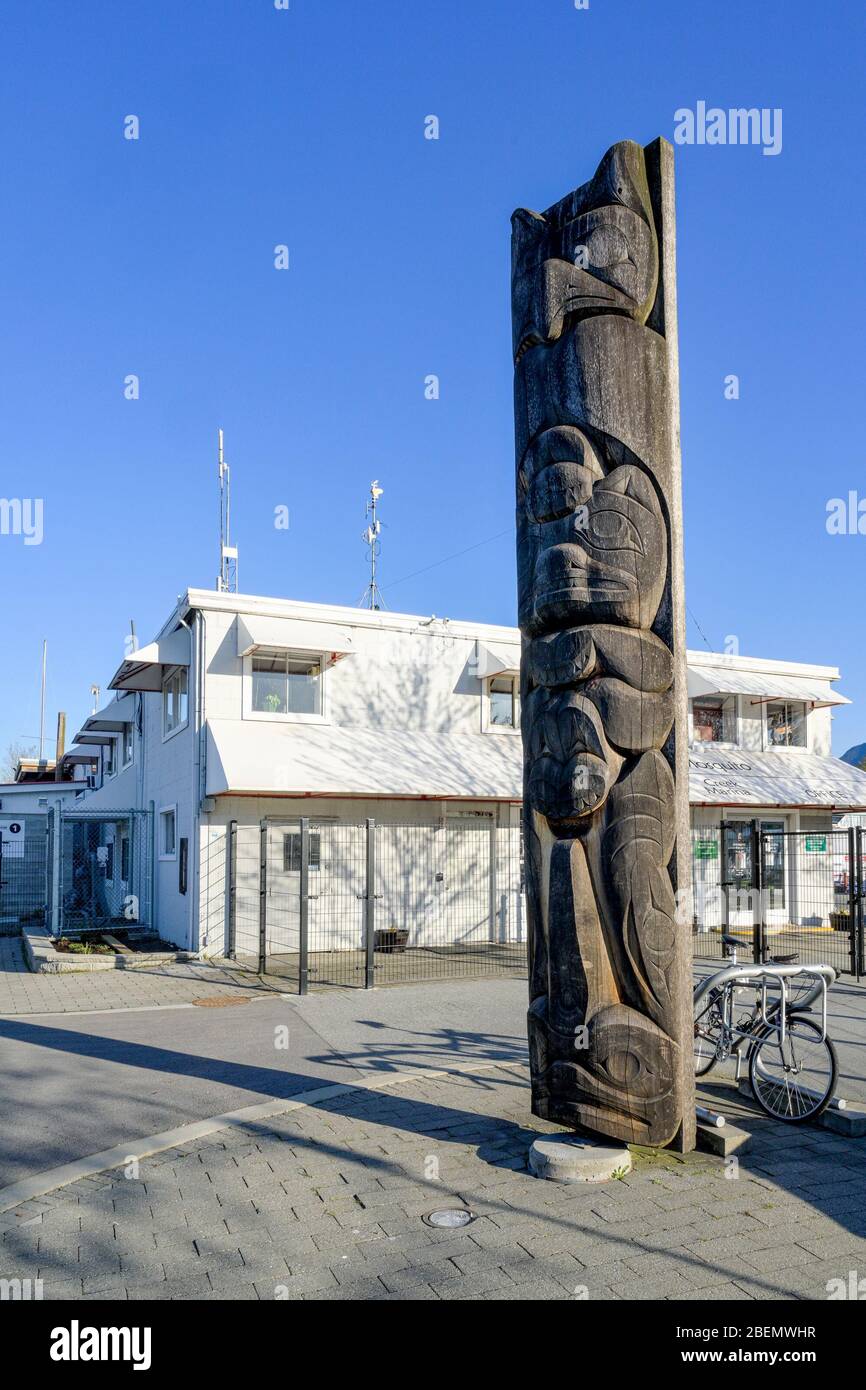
606	246
610	530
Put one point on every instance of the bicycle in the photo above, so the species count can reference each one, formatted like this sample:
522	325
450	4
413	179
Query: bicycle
791	1060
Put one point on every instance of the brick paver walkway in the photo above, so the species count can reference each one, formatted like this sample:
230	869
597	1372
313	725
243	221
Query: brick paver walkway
23	992
326	1202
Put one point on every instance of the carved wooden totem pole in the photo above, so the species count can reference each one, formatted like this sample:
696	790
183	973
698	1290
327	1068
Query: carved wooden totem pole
599	544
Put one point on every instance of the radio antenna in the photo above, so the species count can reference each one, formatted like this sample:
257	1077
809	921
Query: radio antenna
227	580
372	595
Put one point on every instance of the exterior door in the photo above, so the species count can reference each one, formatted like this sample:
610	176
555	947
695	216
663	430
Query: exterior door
738	876
775	872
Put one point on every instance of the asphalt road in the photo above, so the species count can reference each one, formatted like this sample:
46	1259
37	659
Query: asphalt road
74	1084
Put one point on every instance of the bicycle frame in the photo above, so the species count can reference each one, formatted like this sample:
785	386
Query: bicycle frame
773	1014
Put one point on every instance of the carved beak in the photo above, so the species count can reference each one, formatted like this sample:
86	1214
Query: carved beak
562	291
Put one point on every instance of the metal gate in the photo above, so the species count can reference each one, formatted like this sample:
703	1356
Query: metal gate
781	892
371	903
24	860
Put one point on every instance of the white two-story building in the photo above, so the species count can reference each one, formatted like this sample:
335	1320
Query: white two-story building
247	713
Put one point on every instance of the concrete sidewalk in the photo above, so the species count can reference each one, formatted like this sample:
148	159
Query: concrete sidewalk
181	982
326	1202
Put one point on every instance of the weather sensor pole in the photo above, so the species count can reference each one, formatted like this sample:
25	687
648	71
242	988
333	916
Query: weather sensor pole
227	580
372	595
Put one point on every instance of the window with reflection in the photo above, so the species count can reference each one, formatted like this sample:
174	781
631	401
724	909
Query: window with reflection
287	683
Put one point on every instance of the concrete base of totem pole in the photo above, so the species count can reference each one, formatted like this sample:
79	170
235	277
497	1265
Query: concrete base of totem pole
560	1158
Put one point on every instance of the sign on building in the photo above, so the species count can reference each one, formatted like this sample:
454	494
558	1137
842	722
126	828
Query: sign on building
12	839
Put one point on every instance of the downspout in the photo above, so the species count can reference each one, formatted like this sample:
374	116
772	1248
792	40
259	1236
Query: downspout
194	863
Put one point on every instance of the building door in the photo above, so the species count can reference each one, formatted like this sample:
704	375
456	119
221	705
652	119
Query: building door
774	874
468	896
738	875
284	885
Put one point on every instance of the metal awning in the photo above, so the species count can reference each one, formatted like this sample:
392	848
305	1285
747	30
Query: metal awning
497	659
256	632
280	759
111	719
783	777
80	755
761	685
145	669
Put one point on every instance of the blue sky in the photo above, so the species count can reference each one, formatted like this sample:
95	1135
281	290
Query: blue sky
305	127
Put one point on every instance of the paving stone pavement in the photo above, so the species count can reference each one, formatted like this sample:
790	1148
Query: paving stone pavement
180	982
326	1202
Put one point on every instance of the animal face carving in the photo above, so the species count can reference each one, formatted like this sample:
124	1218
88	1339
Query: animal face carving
603	562
596	252
571	764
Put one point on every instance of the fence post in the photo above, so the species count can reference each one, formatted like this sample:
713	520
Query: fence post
56	851
370	909
304	910
151	866
263	896
854	900
231	942
758	925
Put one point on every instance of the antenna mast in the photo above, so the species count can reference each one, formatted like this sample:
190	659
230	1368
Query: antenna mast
372	595
227	580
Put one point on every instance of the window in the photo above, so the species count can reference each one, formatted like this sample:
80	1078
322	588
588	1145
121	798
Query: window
108	767
174	700
109	862
124	859
714	719
503	706
292	851
127	745
168	832
287	683
786	724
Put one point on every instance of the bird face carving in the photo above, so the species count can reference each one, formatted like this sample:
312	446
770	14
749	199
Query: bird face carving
596	252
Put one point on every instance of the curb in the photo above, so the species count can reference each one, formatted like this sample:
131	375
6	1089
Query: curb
42	959
41	1184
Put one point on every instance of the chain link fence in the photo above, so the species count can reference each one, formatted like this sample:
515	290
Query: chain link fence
373	903
103	867
779	892
23	871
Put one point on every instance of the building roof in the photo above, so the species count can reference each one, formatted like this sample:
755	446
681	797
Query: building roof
783	777
248	757
252	758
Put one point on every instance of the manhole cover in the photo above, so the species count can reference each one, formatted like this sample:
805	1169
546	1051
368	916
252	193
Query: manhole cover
219	1001
450	1217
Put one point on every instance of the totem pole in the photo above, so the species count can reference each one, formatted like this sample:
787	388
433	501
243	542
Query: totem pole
600	594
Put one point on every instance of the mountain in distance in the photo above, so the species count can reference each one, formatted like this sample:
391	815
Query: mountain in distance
856	756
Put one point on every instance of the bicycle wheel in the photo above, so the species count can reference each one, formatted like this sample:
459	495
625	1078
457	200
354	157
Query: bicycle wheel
795	1080
708	1032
